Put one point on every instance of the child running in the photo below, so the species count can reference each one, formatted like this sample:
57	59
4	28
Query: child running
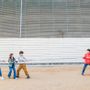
22	65
86	60
11	62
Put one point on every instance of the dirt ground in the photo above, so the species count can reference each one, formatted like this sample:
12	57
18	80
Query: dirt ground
63	77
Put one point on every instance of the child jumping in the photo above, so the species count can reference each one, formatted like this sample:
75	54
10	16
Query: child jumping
22	65
86	60
11	62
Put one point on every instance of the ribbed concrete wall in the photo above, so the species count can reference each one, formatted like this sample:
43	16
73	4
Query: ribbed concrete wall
43	50
45	18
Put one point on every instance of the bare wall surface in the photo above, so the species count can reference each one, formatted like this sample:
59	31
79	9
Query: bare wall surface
41	50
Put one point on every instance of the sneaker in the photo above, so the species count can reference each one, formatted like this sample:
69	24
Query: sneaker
2	78
15	78
28	77
9	77
82	74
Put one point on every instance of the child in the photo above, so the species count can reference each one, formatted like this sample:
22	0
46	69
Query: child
2	78
11	62
22	60
86	60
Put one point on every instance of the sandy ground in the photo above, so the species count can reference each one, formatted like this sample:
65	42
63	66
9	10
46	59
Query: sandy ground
64	77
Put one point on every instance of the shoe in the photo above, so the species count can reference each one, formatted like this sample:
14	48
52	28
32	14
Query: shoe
17	76
2	78
28	77
9	77
82	74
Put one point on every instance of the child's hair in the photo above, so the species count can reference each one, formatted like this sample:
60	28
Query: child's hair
10	55
88	50
21	52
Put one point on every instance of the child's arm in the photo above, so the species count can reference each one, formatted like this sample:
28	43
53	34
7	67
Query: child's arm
10	62
26	60
84	56
15	61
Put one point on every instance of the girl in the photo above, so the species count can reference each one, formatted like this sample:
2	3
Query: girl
11	62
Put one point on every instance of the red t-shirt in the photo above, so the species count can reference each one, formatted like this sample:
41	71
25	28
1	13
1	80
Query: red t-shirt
87	58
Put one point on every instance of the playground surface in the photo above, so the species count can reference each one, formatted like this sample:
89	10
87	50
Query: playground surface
63	77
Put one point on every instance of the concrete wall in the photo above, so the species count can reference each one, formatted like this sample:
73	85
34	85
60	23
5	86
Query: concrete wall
41	50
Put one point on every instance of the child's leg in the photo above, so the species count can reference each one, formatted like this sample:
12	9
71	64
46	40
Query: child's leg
0	72
14	70
18	70
10	71
84	68
25	70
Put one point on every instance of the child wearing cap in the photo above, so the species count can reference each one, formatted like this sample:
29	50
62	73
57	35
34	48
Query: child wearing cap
22	65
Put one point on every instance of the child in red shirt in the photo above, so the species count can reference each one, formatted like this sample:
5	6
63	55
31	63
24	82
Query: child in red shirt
86	60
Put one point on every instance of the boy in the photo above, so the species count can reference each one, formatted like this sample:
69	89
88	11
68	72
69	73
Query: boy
86	60
22	65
